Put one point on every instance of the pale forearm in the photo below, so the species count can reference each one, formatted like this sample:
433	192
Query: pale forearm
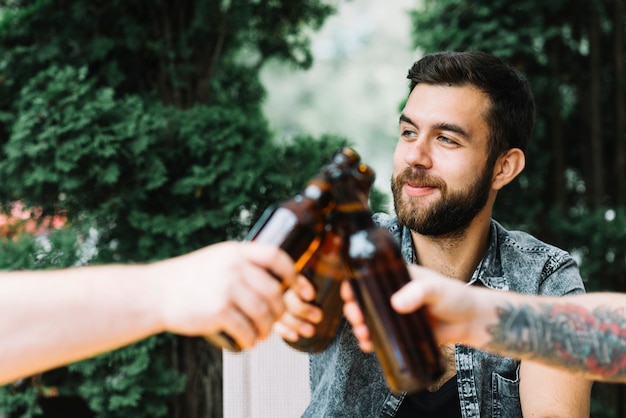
52	318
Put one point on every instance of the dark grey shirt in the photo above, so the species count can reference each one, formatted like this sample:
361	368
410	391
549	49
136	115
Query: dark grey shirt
345	382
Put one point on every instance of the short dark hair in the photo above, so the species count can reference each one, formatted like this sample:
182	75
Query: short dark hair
511	116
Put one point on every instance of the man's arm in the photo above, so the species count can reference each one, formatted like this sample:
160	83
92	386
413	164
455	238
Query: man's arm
541	385
582	334
51	318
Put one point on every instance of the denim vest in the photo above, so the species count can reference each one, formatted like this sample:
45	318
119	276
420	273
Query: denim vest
345	382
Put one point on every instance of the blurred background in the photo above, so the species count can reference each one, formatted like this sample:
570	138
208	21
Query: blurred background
356	85
132	131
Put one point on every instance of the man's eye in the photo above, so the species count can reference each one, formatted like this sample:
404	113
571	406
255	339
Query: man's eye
447	140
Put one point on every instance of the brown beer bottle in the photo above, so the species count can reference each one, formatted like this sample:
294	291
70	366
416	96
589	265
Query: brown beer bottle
326	270
297	225
404	344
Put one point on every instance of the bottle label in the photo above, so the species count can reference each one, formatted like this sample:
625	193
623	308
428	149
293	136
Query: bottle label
278	226
361	246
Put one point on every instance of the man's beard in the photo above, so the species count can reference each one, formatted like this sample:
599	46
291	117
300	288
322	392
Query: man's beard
451	215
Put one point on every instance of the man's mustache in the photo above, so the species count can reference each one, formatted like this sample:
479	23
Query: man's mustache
418	178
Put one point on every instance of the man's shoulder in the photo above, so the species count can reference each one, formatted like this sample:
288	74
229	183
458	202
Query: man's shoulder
524	241
390	222
531	265
385	220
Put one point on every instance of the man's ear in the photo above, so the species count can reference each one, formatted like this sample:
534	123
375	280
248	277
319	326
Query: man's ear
507	167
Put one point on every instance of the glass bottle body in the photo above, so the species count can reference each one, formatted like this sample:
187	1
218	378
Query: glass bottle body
404	344
325	270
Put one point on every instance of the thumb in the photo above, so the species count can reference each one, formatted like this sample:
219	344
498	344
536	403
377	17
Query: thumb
409	298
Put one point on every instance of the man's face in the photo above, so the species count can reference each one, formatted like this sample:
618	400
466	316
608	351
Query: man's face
440	176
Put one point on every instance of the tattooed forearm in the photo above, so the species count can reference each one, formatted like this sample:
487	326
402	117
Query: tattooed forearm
566	335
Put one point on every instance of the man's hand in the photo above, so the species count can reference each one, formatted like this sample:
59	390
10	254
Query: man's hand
234	287
300	315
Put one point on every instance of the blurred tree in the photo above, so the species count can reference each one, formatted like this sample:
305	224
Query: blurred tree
573	190
141	122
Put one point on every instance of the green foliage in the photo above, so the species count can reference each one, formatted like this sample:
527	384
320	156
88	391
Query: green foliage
20	396
141	122
301	159
379	201
57	250
120	382
597	238
84	129
495	27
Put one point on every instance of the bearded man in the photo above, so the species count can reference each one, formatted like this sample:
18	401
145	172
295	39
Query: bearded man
463	133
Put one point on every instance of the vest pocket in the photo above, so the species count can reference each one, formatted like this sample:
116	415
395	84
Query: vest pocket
505	396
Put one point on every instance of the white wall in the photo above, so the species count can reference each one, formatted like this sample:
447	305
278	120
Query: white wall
269	381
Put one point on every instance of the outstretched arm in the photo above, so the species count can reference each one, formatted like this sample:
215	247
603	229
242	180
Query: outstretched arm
51	318
583	334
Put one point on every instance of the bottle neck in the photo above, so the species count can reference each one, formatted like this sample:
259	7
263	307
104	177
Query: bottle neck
351	206
357	220
319	192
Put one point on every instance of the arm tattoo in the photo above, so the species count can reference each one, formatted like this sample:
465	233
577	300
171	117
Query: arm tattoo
565	335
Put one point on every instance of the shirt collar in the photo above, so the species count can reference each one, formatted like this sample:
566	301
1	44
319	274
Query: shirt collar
488	273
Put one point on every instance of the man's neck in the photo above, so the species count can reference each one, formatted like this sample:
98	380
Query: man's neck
456	255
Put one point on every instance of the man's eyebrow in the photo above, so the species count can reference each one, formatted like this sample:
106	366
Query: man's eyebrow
442	126
405	118
452	127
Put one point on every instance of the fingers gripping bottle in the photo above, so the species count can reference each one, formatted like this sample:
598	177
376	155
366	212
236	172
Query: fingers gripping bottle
297	225
326	270
404	344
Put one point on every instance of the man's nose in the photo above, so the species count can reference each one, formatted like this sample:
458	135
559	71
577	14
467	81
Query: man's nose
418	153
